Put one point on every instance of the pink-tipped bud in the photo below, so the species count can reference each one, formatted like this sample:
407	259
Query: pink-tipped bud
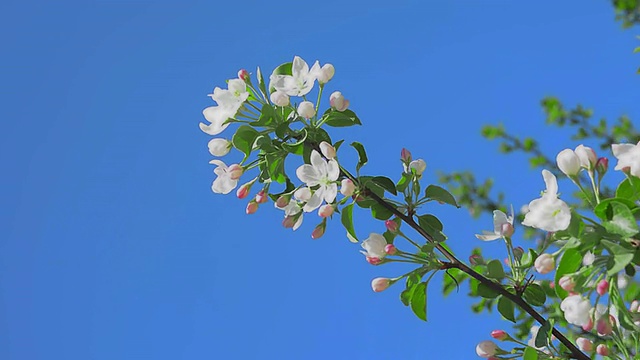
289	221
243	75
588	326
588	157
544	263
327	150
518	252
507	230
243	191
380	284
602	349
235	171
552	285
279	98
318	232
326	73
603	326
602	165
584	344
261	197
373	260
392	226
325	210
390	249
283	201
252	207
347	187
476	260
405	156
602	287
499	335
567	283
338	102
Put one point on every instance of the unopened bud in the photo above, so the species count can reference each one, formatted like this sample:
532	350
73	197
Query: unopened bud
380	284
289	221
235	171
602	287
499	335
243	75
544	263
219	147
327	150
338	102
568	162
405	156
252	207
279	98
261	197
373	260
517	251
318	231
567	283
603	326
476	260
306	109
418	165
325	210
634	306
602	349
347	187
283	201
588	157
243	190
391	226
584	344
326	73
602	165
390	249
588	326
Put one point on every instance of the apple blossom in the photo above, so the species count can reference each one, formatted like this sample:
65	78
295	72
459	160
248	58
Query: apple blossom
602	287
622	281
229	102
568	162
392	226
576	310
347	187
548	212
338	102
327	150
588	326
390	249
602	349
325	210
227	179
323	173
243	190
219	147
243	75
567	283
252	207
380	284
279	98
588	259
301	80
584	344
588	157
418	165
602	165
306	109
544	264
628	156
405	156
325	73
603	325
261	197
372	260
486	349
318	231
235	171
374	246
499	335
303	194
502	226
291	208
217	117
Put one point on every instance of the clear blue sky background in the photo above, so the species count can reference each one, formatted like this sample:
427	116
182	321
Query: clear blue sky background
112	245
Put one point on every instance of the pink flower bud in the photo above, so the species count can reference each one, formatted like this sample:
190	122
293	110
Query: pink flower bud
602	349
552	285
306	109
567	283
380	284
327	150
243	190
486	349
318	232
392	226
252	207
289	221
338	102
347	187
325	210
517	251
405	156
603	326
602	287
283	201
373	260
588	157
390	249
602	165
279	98
499	335
544	264
261	197
235	171
243	75
507	230
584	344
476	260
588	326
326	73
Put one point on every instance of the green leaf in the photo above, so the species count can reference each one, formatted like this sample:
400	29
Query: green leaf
244	138
362	155
527	259
544	333
507	309
432	226
380	212
284	69
629	189
569	263
267	116
275	164
419	301
622	221
486	292
620	256
261	84
347	220
604	210
385	183
495	270
404	182
441	195
534	295
340	118
530	354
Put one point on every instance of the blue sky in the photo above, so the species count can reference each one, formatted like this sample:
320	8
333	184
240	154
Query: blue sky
111	242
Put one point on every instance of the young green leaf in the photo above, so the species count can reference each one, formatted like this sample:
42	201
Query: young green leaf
570	262
432	226
495	270
441	195
620	256
244	138
362	155
419	300
347	220
534	295
340	118
507	309
385	183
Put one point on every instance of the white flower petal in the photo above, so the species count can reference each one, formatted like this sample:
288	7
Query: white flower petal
330	193
551	182
319	163
308	175
297	224
333	170
488	236
223	185
315	201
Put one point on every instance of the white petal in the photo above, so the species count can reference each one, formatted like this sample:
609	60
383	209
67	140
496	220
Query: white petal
299	67
308	175
499	219
315	201
303	194
621	149
223	185
237	85
297	224
319	164
488	236
330	193
551	182
333	170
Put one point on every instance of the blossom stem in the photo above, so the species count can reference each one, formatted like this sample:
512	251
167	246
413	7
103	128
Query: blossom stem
319	97
596	191
409	240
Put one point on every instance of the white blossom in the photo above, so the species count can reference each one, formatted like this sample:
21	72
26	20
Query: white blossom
338	102
576	310
301	80
548	212
502	225
321	173
219	147
374	246
486	349
568	162
628	156
227	178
